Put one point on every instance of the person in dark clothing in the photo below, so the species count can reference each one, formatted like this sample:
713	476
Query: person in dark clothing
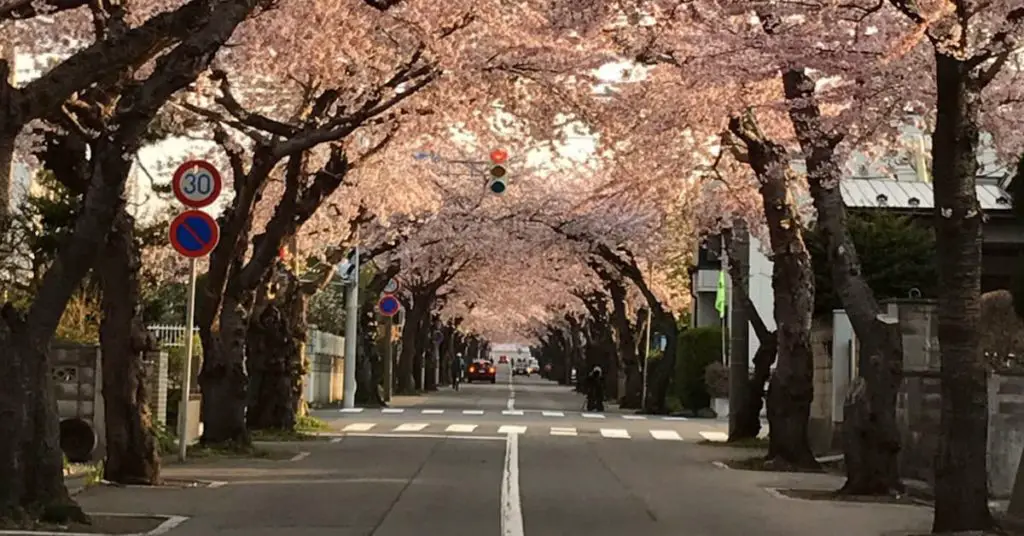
457	370
595	389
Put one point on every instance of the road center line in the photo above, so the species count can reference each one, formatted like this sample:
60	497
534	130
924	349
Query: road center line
511	508
511	405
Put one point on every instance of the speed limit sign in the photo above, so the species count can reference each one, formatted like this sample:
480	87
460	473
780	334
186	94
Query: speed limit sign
196	183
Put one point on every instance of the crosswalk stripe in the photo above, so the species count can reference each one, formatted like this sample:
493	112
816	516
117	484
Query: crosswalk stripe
668	435
674	419
472	412
592	415
635	417
509	429
392	410
359	427
558	431
617	433
512	412
411	427
718	437
432	411
460	428
351	410
553	413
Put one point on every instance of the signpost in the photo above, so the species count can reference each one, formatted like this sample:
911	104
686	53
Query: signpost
193	234
388	305
196	183
393	286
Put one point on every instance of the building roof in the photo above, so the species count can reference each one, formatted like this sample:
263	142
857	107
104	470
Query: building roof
889	193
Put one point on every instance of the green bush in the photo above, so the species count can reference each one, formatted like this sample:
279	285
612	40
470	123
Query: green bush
698	348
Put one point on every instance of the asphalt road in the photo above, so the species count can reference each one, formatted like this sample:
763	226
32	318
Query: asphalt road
433	482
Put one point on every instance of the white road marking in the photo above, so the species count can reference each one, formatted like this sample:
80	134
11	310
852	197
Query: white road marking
472	412
668	435
461	428
432	411
593	415
553	413
511	429
511	506
674	419
512	412
351	410
393	410
298	456
511	404
359	427
635	417
718	437
616	433
336	440
391	435
555	430
411	427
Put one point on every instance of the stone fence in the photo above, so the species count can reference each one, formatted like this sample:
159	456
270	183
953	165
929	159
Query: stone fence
918	405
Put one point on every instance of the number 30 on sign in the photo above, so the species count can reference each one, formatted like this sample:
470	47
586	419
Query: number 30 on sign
196	183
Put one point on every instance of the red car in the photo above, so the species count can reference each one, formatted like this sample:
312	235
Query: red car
503	360
481	371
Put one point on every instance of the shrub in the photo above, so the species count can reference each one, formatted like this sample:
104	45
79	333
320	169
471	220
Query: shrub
698	348
716	377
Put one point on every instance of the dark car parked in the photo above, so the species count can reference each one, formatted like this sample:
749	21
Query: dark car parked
481	371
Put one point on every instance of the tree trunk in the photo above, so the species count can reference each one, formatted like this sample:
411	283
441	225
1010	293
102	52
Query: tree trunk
961	469
131	448
410	347
31	469
223	377
871	437
745	419
791	388
275	361
626	347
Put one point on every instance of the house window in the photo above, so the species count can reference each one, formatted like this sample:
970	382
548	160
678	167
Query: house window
882	199
914	202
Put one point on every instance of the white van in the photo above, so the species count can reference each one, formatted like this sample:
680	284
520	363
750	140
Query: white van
520	366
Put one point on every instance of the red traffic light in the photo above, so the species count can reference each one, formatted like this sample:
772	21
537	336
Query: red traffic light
499	156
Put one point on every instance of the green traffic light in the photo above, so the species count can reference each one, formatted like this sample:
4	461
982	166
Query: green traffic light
498	187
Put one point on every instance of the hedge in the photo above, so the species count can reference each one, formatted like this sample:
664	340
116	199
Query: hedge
698	348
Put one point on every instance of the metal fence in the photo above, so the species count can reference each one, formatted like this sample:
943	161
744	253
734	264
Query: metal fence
317	342
171	336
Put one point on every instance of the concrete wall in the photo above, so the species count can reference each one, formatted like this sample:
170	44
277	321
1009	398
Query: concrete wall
78	387
156	384
918	405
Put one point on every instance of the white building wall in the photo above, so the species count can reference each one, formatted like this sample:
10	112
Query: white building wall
761	293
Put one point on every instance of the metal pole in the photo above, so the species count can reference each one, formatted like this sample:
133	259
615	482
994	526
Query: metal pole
647	355
351	332
186	374
388	358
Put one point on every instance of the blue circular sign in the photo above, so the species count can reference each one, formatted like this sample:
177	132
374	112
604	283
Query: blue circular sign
194	233
388	305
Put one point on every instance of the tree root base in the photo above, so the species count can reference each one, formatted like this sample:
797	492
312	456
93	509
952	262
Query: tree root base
57	513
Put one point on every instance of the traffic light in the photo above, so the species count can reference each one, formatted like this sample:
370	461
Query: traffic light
497	183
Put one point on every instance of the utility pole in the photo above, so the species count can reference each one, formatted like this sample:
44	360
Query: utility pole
351	331
739	355
647	355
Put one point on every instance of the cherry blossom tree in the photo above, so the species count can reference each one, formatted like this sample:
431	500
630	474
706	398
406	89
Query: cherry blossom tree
972	45
33	469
